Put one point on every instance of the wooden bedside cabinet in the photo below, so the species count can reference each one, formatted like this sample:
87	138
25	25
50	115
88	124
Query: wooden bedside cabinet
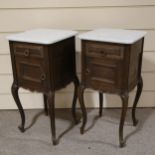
43	60
111	63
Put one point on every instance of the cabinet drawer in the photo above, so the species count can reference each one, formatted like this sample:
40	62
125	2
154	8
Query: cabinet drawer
28	50
104	50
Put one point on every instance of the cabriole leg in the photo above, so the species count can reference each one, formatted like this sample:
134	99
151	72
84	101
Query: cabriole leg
76	85
45	105
101	103
84	113
51	108
138	94
14	90
124	98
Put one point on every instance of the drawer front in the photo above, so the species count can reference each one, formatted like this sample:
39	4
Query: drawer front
104	50
101	75
28	50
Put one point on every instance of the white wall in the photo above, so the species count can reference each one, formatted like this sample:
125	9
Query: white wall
20	15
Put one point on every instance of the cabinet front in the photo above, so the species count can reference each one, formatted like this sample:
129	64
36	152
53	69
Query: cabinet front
30	66
102	67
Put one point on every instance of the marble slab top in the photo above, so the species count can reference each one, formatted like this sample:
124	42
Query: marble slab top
42	36
113	35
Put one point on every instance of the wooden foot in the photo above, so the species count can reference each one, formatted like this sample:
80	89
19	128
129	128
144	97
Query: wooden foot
122	144
21	129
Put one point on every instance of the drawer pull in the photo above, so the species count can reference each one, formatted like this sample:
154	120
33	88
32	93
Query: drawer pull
26	53
87	71
43	77
104	53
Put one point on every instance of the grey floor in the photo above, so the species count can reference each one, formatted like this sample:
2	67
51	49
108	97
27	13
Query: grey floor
101	137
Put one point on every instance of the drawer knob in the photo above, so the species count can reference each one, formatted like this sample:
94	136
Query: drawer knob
26	52
104	53
87	71
43	77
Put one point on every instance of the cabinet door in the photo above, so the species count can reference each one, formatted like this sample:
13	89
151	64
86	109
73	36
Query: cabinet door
102	75
31	75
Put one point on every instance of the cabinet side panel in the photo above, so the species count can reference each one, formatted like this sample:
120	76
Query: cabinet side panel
62	61
134	63
13	61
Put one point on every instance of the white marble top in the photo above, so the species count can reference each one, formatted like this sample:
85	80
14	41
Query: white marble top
42	36
113	35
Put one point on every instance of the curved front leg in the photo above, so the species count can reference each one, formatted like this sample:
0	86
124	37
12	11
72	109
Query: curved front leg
124	98
101	103
51	108
84	113
14	90
138	94
76	84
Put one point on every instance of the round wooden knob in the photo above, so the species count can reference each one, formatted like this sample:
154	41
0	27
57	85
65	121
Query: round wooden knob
26	52
104	53
43	77
87	71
